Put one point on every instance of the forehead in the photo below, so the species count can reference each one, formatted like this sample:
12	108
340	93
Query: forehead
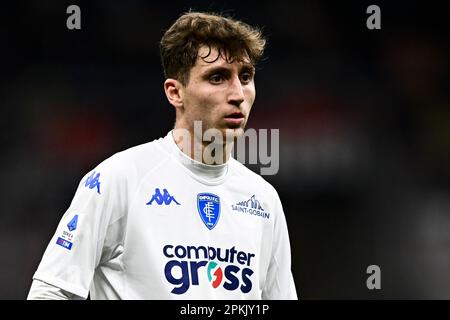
210	57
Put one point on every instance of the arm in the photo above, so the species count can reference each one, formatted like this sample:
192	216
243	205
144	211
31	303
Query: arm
279	281
78	245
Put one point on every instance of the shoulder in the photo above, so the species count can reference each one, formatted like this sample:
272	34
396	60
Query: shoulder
133	162
148	153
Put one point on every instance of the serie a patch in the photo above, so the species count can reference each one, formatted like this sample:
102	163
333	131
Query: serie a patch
66	238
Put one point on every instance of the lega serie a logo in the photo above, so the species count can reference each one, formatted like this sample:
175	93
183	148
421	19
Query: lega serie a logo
220	268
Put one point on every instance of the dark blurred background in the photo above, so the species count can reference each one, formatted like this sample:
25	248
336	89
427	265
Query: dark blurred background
363	117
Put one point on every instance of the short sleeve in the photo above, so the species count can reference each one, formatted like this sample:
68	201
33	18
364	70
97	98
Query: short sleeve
75	250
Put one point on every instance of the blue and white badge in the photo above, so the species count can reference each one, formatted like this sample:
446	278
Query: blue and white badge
72	225
208	206
64	243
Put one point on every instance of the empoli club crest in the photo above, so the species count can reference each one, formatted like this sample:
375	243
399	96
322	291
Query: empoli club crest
208	206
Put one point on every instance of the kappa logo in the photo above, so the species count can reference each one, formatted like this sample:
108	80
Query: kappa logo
208	206
161	198
93	181
251	206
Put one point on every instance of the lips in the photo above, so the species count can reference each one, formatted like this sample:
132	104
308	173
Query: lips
235	115
235	119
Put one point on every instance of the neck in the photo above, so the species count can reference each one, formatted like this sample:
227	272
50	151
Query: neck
207	152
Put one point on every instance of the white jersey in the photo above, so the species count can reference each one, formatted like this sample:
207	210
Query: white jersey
151	223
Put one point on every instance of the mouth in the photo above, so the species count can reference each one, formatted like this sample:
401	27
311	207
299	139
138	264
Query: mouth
235	118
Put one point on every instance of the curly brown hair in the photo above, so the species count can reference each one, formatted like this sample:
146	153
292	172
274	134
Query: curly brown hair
235	40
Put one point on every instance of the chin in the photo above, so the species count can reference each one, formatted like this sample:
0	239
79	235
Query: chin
233	133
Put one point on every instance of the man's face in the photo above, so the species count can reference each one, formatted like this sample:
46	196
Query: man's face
218	93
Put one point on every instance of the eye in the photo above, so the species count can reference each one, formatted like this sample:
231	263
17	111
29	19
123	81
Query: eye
216	78
246	77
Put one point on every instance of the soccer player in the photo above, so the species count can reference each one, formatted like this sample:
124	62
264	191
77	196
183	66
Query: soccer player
158	221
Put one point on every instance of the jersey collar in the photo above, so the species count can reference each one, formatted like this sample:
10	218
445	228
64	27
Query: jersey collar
208	173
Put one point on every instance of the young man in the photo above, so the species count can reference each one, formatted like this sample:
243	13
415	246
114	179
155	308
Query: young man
167	219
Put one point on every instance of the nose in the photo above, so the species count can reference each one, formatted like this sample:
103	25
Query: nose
236	94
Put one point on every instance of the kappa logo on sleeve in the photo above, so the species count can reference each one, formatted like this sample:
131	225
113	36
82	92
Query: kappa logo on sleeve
93	181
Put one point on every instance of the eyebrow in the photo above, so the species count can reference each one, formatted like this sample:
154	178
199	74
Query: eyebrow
220	69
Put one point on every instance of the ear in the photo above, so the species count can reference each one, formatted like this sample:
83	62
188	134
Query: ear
174	92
